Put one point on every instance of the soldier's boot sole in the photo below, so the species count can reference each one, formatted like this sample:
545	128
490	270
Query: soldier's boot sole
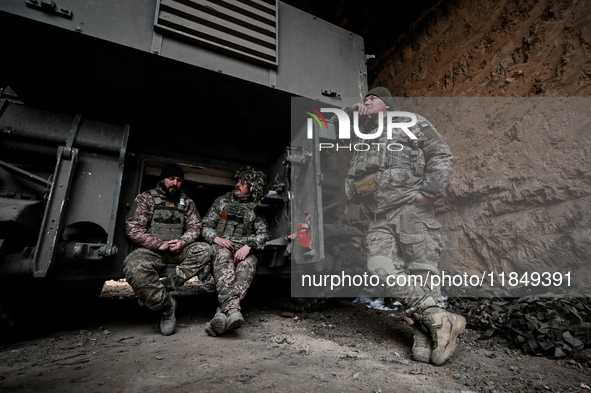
217	325
422	346
456	325
235	319
168	318
209	330
167	283
172	282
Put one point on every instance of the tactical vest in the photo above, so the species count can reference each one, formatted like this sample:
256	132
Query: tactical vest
168	220
233	222
365	162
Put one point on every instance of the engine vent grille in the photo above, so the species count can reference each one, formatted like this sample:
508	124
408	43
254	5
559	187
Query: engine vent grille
243	28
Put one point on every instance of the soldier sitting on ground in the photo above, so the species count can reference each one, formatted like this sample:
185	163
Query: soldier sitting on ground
235	231
165	223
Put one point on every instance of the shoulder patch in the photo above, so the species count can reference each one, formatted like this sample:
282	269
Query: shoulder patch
428	131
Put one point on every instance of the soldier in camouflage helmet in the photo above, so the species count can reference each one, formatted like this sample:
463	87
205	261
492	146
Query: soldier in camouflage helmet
398	187
235	231
165	223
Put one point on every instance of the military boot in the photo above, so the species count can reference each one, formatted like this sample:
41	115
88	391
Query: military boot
443	327
168	319
235	319
172	282
422	346
217	325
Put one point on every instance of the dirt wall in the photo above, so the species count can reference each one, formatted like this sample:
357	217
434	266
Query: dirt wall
519	199
494	48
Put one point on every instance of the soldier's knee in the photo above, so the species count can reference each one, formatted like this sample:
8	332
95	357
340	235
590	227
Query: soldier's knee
380	262
203	250
208	252
131	263
243	274
221	253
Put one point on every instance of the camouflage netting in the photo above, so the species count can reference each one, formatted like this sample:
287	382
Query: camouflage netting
556	327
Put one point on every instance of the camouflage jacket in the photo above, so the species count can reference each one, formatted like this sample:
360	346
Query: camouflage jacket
216	223
396	185
140	215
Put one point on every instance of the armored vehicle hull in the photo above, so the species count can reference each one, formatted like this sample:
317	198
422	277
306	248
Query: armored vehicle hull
103	94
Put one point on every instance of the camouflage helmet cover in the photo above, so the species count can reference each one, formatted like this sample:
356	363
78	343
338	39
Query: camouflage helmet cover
255	181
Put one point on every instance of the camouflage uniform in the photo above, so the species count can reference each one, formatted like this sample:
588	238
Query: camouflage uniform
233	218
151	222
402	237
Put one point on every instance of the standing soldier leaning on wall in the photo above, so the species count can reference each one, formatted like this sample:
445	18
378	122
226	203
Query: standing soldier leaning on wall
398	188
235	231
165	223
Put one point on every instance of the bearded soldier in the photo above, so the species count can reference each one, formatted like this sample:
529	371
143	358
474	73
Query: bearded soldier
165	223
398	185
235	231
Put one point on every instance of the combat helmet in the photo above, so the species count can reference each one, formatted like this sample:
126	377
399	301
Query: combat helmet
255	181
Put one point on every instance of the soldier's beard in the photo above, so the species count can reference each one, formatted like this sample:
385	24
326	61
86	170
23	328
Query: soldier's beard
242	197
172	192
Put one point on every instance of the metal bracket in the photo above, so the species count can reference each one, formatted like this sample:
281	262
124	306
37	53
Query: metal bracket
319	178
157	37
8	95
3	105
24	174
49	7
331	93
157	43
73	251
273	78
298	155
110	247
70	141
55	211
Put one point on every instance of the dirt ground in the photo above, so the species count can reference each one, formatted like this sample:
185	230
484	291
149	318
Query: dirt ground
342	347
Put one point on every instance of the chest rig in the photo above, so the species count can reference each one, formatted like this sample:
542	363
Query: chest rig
168	220
234	222
379	157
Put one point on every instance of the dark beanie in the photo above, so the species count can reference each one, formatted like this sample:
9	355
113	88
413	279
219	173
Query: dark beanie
172	170
384	94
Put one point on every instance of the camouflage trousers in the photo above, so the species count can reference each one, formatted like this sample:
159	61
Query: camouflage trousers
406	242
141	269
232	280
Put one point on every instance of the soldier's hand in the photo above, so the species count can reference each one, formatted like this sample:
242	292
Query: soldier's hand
163	247
241	254
177	245
224	243
361	108
421	199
